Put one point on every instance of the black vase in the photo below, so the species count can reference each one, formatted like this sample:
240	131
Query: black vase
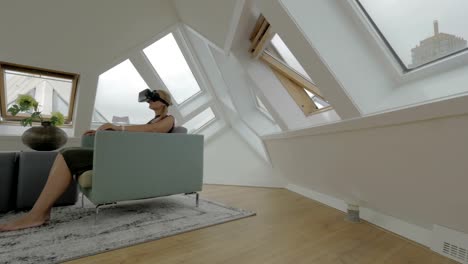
45	137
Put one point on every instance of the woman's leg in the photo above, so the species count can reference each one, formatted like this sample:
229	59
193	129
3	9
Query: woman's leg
59	179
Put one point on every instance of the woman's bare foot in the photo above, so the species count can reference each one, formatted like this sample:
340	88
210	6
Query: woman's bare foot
27	221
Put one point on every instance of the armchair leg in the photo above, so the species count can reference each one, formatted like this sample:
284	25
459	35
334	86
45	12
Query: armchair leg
197	196
82	200
96	214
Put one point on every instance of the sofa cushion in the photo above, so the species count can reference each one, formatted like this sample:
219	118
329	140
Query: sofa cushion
85	180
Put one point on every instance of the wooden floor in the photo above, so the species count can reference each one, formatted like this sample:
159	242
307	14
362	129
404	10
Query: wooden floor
288	228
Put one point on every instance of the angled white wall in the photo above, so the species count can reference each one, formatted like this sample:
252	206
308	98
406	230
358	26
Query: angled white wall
410	164
229	160
214	19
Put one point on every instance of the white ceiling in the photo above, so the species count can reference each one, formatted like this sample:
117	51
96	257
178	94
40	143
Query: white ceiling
78	35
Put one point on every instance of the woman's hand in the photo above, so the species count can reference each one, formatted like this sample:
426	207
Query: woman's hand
89	133
108	126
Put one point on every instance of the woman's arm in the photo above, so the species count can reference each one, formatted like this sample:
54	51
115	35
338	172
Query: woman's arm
162	126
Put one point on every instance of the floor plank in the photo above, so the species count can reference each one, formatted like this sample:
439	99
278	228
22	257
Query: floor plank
288	228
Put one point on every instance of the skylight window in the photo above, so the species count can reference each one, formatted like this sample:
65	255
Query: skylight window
319	102
260	104
169	62
271	49
279	47
419	32
201	120
46	86
117	95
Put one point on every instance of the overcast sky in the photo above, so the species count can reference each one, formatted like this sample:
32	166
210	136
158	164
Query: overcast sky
118	88
406	22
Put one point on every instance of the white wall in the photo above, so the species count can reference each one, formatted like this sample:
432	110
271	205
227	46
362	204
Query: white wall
211	18
229	160
437	86
85	37
409	168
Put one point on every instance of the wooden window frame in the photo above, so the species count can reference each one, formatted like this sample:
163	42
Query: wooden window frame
35	70
294	83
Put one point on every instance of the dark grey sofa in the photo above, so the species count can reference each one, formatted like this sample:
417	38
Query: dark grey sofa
8	178
22	177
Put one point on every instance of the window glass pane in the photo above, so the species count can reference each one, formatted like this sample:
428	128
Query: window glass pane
99	118
42	87
317	100
286	55
117	95
260	104
168	60
58	103
420	31
200	120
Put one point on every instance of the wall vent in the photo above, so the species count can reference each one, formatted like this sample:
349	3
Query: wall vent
455	252
450	243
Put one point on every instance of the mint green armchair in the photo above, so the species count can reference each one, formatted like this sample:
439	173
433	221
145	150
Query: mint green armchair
137	165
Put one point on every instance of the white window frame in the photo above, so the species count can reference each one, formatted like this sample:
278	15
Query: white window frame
254	95
447	63
189	58
191	106
7	118
199	111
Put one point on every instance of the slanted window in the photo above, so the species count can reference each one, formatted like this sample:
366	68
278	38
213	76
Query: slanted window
199	121
279	48
117	95
262	108
419	32
261	105
54	90
162	65
169	62
99	118
272	50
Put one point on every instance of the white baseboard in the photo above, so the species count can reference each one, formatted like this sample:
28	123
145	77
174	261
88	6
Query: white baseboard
319	197
244	183
410	231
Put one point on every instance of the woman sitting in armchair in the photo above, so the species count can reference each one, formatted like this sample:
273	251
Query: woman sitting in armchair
74	161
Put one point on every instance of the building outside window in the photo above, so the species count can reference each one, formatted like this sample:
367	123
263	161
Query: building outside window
419	32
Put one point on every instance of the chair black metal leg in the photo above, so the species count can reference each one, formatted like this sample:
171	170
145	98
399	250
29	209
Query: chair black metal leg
96	214
197	198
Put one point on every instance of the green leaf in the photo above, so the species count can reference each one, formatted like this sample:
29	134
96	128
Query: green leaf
14	110
57	119
36	115
24	122
54	120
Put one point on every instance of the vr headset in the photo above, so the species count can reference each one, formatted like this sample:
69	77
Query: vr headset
150	96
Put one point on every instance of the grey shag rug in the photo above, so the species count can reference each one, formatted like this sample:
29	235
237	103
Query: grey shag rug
73	233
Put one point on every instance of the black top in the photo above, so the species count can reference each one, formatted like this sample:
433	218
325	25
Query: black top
173	124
